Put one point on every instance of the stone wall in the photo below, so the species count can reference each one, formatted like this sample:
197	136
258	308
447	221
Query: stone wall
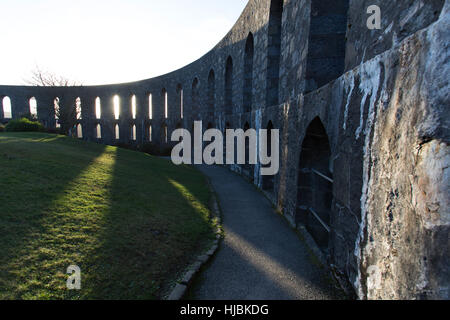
365	155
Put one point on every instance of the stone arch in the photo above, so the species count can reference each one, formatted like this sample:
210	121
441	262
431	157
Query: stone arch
165	98
7	107
229	86
133	107
98	108
117	131
78	108
79	131
33	107
247	166
315	184
98	131
326	44
268	182
150	133
248	74
133	132
164	134
116	102
150	106
211	91
56	109
274	52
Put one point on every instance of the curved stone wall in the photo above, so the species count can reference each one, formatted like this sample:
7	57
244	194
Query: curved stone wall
313	70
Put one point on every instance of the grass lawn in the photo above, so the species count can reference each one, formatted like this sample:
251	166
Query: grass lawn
130	221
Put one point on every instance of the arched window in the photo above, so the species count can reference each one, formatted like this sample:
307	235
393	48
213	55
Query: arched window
150	133
116	101
78	108
248	74
274	52
133	132
268	181
33	107
166	102
247	166
117	131
211	91
133	107
56	109
180	99
164	134
195	95
7	111
150	106
229	86
326	48
98	108
98	131
315	183
79	131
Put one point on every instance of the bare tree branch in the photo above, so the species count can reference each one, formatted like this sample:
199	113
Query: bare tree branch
66	115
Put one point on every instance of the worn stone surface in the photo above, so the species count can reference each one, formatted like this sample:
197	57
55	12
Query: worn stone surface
386	120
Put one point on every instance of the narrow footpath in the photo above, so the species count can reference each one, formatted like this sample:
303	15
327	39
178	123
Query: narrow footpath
261	257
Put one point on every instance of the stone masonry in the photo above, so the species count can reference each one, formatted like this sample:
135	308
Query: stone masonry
363	118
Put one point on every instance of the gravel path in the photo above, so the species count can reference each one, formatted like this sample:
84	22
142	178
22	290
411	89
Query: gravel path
261	257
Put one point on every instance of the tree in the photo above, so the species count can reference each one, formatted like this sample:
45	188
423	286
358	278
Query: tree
66	114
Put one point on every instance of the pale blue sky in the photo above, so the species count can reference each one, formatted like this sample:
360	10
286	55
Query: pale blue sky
109	41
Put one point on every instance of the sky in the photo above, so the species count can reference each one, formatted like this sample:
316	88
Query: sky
108	41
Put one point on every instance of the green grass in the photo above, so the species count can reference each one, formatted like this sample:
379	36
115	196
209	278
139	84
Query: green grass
130	221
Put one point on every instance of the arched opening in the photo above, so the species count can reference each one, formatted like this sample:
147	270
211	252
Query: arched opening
133	132
164	134
315	184
56	110
117	131
33	107
229	86
180	100
166	102
327	39
98	131
150	133
247	167
78	108
195	95
116	102
274	52
248	74
150	106
211	91
7	111
79	131
98	108
133	107
268	181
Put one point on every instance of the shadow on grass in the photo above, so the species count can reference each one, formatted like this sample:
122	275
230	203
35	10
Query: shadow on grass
32	179
131	222
149	231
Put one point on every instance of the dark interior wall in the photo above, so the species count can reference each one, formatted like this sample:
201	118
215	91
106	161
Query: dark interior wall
327	40
274	52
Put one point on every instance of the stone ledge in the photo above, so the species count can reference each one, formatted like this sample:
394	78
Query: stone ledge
178	292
